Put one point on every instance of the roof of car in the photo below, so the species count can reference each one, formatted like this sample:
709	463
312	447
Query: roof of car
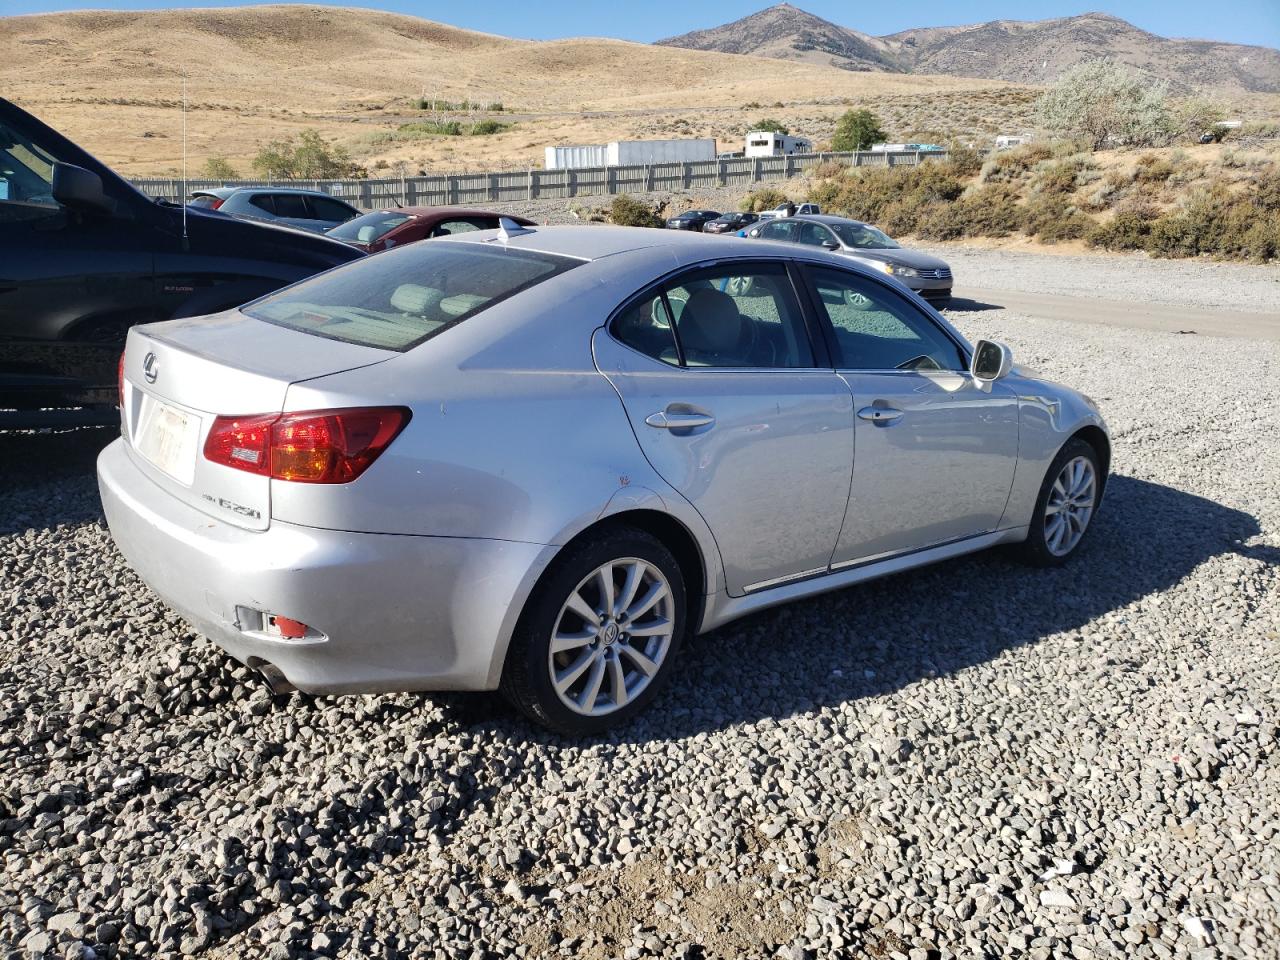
825	218
449	212
265	189
595	242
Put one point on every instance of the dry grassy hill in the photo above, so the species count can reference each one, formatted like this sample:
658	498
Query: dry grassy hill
113	81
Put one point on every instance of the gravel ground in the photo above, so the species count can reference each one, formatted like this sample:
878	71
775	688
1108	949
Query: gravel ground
972	760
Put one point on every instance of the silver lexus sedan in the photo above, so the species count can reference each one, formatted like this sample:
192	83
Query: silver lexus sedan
924	273
538	459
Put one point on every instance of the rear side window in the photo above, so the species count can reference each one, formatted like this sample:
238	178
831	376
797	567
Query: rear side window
292	205
397	300
263	201
325	209
740	315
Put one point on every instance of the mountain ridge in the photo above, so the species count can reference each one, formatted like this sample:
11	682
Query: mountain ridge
1018	51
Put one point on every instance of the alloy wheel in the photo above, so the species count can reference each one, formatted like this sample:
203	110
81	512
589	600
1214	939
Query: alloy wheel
1070	506
611	637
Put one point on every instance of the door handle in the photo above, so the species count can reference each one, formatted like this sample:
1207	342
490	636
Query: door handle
885	415
678	421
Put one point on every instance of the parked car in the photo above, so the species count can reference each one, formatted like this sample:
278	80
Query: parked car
83	255
927	275
382	229
311	210
801	209
730	222
763	217
692	220
537	460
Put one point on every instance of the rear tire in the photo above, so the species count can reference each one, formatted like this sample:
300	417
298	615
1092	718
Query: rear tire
596	640
1066	506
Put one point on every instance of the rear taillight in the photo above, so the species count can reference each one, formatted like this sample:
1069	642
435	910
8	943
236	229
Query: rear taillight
215	205
316	446
120	379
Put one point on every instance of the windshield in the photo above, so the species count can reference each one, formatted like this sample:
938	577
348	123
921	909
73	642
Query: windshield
863	235
370	227
398	299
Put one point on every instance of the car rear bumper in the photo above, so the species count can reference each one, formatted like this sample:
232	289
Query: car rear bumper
391	612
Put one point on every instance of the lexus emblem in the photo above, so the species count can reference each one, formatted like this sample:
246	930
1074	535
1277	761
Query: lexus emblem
150	367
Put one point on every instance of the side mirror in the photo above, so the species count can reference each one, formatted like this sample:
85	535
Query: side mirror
80	189
992	361
830	245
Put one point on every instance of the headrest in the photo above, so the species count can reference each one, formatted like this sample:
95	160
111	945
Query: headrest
710	322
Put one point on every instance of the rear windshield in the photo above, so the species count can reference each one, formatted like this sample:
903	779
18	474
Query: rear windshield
398	299
370	227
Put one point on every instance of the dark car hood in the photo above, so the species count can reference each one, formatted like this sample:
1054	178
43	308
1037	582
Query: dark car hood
261	240
901	256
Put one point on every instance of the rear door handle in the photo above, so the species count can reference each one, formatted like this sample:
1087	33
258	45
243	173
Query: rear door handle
678	421
884	415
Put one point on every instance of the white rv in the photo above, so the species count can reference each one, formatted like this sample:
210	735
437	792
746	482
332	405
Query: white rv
766	143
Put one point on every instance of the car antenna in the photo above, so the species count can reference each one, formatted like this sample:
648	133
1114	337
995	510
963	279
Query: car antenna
508	228
186	243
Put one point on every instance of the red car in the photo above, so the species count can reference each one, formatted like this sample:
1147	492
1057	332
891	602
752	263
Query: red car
382	229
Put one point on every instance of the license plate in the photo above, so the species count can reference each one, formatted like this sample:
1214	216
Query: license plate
167	437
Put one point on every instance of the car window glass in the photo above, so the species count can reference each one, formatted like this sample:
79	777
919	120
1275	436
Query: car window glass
646	326
447	228
814	234
325	209
263	201
399	299
739	315
26	170
369	227
292	205
876	329
779	230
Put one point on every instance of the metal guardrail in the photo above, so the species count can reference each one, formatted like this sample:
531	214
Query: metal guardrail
482	188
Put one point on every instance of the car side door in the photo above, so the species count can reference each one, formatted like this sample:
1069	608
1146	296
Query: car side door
935	450
781	228
734	403
71	282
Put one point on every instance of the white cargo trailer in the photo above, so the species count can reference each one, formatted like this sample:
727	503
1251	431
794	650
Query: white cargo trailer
575	158
767	143
628	153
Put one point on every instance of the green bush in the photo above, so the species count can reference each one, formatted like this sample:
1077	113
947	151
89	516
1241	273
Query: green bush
770	125
1101	101
1152	169
486	128
309	157
220	168
989	211
1052	219
627	211
766	198
432	128
1127	230
857	130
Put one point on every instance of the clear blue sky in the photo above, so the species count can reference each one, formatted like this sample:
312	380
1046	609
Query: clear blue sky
1240	21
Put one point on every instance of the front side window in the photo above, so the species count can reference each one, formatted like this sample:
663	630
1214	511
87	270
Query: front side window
397	300
876	329
814	234
26	170
742	315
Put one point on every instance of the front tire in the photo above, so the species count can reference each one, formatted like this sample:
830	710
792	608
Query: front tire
1066	506
596	641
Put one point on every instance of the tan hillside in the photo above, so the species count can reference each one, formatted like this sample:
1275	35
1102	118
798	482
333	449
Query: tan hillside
113	82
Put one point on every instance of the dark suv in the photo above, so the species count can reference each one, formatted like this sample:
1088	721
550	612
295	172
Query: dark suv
84	255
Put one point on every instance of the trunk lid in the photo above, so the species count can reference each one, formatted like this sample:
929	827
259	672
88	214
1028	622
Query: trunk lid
180	375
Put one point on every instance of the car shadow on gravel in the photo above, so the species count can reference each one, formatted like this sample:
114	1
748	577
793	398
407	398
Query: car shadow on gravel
43	473
871	640
965	305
